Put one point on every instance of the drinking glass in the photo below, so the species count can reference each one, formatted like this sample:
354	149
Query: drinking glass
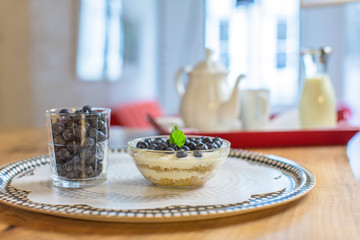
78	145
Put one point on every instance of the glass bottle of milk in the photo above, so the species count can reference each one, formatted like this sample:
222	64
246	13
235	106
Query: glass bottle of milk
317	106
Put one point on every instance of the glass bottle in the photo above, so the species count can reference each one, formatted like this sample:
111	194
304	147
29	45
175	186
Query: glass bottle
317	106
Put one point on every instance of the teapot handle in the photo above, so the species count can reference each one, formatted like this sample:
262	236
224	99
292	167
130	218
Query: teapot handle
178	83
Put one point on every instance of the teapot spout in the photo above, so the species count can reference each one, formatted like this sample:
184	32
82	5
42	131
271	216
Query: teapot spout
229	110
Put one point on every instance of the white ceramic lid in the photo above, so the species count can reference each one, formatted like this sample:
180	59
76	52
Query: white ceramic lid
209	66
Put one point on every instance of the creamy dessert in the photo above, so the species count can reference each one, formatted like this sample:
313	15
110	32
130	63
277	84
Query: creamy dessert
166	164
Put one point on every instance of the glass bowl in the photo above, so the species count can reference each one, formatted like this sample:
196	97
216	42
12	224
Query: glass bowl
178	168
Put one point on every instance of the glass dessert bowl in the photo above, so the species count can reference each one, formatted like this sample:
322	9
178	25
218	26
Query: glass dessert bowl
165	164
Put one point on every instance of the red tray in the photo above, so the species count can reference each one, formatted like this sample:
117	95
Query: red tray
249	139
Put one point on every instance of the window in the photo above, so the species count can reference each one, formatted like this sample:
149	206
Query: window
259	39
100	53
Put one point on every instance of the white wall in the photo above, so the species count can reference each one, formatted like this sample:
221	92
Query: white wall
37	60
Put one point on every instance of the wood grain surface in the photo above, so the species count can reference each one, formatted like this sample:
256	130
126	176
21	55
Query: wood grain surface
330	211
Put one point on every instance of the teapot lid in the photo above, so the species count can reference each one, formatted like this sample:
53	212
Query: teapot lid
210	66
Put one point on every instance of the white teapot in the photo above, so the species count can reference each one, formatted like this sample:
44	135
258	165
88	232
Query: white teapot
208	104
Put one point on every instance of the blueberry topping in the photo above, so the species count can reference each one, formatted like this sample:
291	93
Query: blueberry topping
185	148
206	140
218	139
148	141
174	146
197	154
211	145
195	144
161	146
169	149
218	143
192	145
181	154
152	146
201	146
141	145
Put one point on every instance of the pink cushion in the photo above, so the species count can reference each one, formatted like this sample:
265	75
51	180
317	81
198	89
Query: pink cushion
134	114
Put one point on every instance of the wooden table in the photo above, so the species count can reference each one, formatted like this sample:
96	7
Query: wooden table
330	211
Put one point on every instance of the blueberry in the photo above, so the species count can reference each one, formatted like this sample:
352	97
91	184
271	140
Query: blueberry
159	140
197	154
76	159
211	145
218	139
91	160
206	140
65	110
141	145
89	142
192	145
59	140
80	131
77	166
174	146
78	116
68	135
93	132
201	146
58	127
185	148
85	153
89	171
161	146
169	149
87	109
73	148
63	154
93	120
64	119
96	134
218	143
181	154
187	141
101	125
148	141
71	124
68	166
152	146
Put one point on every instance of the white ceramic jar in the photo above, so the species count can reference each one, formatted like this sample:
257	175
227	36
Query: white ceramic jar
317	106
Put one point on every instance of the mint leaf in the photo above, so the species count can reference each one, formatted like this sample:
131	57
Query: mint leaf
171	134
177	136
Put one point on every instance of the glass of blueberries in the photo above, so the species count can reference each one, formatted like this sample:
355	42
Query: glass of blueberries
78	145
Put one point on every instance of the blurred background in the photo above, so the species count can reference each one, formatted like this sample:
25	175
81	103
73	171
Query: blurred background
110	52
